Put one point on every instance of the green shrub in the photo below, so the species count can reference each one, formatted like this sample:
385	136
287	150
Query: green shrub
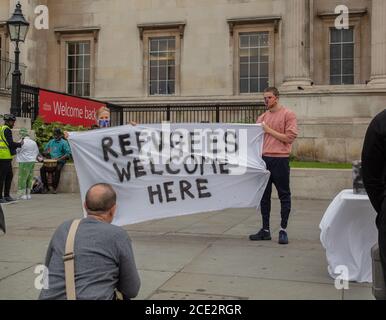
292	157
45	131
249	120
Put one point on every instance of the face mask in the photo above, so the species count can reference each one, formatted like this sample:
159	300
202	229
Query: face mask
104	123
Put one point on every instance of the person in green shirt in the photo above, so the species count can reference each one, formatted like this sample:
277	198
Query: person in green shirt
57	149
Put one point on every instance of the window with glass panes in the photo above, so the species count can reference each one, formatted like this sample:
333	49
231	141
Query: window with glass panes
78	68
341	56
162	61
254	59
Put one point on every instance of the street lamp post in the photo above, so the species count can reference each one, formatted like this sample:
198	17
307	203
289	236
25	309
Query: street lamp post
17	30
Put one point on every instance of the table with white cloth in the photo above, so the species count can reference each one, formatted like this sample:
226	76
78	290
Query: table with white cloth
348	232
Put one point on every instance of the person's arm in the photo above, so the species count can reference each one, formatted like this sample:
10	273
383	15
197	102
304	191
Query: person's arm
36	151
48	255
260	119
11	144
66	151
47	147
129	281
373	163
291	131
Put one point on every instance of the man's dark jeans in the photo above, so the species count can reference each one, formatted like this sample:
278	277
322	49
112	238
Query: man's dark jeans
381	225
280	177
6	176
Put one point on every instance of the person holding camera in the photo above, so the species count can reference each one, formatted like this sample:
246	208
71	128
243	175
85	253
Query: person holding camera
374	177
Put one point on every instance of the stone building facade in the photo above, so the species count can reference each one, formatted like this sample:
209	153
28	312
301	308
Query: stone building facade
219	51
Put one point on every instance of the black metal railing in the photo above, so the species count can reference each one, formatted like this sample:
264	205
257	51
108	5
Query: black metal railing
6	69
29	102
179	113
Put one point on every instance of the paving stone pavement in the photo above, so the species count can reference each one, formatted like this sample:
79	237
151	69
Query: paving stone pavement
201	256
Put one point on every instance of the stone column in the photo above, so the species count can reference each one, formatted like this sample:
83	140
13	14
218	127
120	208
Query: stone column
296	44
34	52
378	43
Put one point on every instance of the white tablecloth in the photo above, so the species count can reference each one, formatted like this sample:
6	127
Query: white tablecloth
348	233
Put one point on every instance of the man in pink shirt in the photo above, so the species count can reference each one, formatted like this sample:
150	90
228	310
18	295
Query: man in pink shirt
281	130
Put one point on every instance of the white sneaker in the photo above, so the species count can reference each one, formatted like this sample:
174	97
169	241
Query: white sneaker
29	197
24	197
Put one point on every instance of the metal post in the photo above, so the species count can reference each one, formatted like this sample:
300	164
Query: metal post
217	114
167	113
36	104
16	91
121	117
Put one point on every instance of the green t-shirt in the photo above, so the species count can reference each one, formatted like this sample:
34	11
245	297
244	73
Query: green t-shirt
58	149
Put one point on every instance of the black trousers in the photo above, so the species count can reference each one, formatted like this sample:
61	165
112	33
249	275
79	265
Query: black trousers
55	175
280	177
381	225
6	176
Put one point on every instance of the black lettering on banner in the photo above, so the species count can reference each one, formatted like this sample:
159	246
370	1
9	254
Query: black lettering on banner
153	170
139	141
193	142
212	140
159	142
213	161
184	189
169	191
170	170
175	143
123	174
138	168
186	165
231	143
155	139
124	142
107	143
223	170
154	193
202	164
201	187
214	167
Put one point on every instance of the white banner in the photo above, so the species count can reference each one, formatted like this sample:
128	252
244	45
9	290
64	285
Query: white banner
168	170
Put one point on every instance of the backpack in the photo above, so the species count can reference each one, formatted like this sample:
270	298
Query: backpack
37	185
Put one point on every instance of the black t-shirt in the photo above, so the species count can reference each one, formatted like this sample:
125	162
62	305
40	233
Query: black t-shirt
374	161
